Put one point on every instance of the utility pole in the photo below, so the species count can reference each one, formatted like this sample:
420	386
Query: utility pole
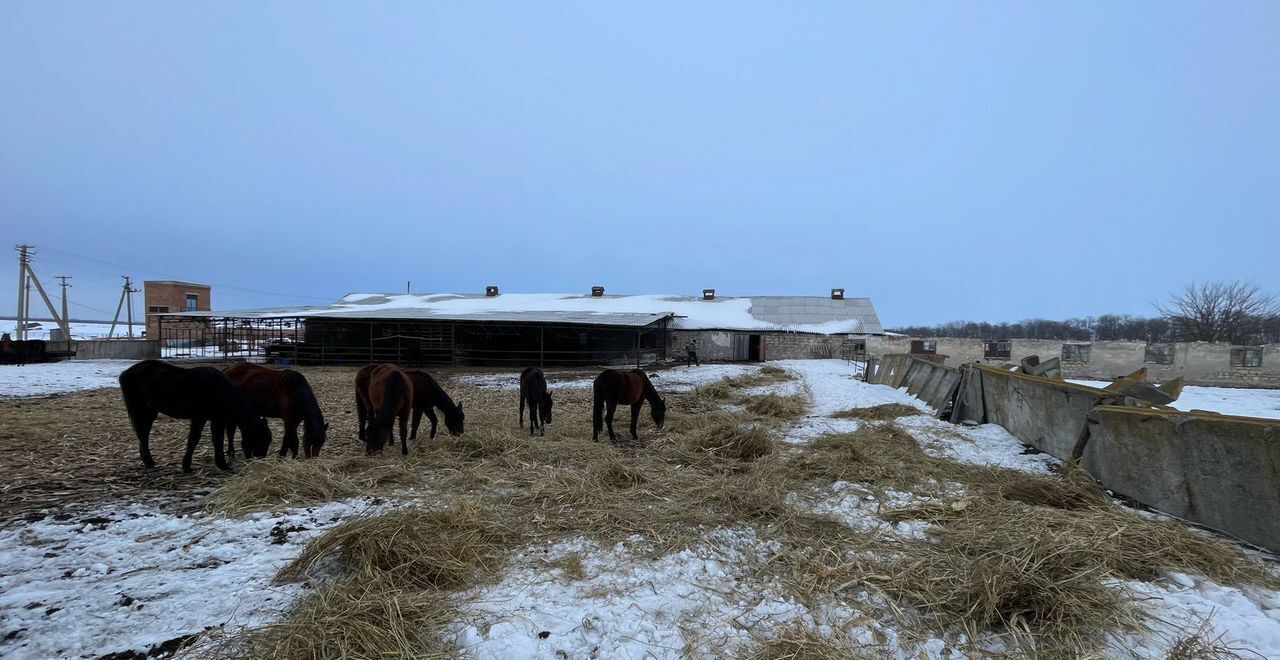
23	258
126	300
129	291
26	278
66	320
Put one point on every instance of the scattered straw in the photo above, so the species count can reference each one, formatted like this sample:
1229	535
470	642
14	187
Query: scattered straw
1202	645
267	484
886	411
802	643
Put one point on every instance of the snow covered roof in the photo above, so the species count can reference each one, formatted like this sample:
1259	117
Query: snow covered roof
816	314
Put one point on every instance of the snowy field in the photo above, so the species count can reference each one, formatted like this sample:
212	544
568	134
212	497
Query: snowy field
93	581
55	377
1246	402
79	329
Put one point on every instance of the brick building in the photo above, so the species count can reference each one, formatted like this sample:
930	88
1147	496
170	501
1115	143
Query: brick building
165	296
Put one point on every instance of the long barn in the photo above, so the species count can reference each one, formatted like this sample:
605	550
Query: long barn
515	329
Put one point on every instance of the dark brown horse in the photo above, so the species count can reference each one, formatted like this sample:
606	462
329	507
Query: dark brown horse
22	352
282	394
613	387
384	392
427	396
200	394
533	389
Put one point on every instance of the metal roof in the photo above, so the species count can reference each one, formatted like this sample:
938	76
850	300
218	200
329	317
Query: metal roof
814	314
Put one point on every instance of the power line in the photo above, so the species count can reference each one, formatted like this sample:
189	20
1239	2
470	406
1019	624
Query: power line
167	275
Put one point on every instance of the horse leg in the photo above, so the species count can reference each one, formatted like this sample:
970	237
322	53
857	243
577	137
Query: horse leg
597	413
417	419
230	430
522	413
216	426
431	417
635	415
404	434
610	407
361	418
533	418
193	438
143	418
290	438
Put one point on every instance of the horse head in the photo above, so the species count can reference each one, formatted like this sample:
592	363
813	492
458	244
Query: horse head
316	434
658	408
256	439
544	409
453	420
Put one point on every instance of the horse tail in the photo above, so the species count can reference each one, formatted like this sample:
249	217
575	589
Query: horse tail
141	415
393	396
597	405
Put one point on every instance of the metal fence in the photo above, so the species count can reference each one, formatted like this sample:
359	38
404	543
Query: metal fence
329	341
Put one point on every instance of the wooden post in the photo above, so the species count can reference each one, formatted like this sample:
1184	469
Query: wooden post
20	331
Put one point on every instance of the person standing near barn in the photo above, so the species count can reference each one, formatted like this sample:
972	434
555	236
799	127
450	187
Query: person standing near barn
691	353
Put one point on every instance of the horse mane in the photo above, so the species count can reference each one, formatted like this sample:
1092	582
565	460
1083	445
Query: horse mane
302	393
650	392
438	397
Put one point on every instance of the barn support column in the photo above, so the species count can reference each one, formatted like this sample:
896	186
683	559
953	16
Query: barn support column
637	349
453	344
542	346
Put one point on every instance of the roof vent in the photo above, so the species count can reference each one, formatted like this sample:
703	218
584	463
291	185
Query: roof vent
490	291
708	294
837	294
597	292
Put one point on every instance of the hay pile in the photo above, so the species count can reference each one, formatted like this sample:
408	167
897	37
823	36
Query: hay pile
412	547
882	412
268	484
778	406
349	619
724	435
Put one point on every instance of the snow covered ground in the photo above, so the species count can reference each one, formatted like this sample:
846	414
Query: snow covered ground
130	576
679	379
56	377
1246	402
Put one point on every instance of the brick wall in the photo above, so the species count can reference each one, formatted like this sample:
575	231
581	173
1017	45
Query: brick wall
168	296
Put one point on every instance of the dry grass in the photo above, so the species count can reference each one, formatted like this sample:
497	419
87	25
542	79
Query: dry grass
412	547
883	412
268	484
1040	573
349	619
726	388
1202	645
778	406
802	643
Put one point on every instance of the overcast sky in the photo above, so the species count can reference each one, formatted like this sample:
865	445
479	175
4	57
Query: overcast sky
985	161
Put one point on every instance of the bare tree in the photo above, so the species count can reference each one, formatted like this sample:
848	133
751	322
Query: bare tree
1220	311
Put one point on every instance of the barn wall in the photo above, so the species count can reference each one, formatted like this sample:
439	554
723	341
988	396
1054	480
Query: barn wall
717	345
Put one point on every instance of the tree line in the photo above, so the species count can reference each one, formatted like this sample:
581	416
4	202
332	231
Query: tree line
1233	312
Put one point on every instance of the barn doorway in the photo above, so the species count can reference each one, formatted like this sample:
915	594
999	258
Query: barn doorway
748	348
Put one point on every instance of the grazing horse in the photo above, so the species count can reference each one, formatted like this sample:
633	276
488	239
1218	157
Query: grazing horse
427	396
22	352
632	388
200	394
284	394
533	389
383	393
